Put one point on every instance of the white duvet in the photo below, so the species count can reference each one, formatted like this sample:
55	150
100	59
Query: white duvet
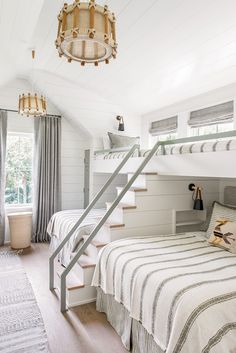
180	288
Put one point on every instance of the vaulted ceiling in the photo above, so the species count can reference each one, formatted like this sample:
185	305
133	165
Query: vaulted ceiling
169	50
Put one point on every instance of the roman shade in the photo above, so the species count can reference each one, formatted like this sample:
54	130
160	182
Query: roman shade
164	126
217	114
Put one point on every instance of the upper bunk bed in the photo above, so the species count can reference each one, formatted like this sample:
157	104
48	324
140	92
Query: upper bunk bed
204	156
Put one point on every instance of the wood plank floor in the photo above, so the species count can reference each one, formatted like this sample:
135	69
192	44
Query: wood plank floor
80	330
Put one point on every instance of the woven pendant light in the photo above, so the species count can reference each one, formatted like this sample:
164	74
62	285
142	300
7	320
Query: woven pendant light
86	33
31	104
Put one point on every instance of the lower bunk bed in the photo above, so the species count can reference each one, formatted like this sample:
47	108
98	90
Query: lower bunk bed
172	294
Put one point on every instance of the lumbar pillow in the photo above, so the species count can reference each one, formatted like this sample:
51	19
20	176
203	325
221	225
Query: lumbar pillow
224	235
220	211
118	141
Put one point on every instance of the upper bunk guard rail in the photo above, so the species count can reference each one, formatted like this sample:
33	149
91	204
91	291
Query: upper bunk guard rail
84	215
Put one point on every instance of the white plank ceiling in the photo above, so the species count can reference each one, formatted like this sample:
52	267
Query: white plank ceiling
169	50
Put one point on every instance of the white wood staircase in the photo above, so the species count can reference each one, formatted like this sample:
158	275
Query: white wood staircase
130	218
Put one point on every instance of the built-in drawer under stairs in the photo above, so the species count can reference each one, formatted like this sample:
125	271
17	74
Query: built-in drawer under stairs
137	214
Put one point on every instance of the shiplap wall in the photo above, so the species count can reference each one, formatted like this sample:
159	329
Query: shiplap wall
223	184
74	143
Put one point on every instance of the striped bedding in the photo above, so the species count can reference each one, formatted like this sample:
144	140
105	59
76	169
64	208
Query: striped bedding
62	222
197	147
180	288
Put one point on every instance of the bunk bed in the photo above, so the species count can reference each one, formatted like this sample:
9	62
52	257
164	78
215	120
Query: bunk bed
184	279
221	155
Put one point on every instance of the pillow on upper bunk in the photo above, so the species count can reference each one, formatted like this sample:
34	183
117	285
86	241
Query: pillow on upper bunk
220	211
118	141
224	235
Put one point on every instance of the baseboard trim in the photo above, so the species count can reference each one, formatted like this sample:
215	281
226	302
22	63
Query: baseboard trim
82	302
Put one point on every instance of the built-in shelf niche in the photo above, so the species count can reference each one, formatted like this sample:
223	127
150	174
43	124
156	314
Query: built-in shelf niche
188	220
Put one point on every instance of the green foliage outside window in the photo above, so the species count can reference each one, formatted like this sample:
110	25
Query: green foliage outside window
19	169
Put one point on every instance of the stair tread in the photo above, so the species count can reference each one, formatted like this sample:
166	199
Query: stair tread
86	261
112	225
147	173
72	281
124	206
98	244
134	189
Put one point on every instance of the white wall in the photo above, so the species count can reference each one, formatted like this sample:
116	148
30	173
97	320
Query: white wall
182	109
74	142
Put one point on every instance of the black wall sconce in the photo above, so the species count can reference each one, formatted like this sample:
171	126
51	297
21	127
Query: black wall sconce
121	126
197	197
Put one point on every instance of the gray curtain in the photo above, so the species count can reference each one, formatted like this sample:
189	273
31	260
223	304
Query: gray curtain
3	139
47	174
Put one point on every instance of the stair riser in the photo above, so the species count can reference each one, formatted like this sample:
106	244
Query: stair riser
150	218
81	296
129	197
117	216
85	274
142	231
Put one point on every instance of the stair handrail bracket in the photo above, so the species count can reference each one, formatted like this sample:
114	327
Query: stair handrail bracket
84	215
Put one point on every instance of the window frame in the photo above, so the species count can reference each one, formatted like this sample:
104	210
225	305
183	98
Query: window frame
191	129
11	206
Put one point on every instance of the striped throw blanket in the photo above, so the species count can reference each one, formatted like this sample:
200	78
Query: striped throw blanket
180	288
62	222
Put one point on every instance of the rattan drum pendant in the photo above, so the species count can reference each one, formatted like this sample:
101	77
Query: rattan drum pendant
86	33
31	104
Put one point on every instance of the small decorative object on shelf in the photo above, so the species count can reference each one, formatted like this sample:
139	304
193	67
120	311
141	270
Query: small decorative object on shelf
121	126
86	33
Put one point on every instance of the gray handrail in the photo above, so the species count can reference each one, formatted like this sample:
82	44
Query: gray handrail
84	215
101	223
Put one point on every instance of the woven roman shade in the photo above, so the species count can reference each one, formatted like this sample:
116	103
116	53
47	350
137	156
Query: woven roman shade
164	126
217	114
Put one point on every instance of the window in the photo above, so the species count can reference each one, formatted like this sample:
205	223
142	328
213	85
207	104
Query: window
164	129
211	129
19	169
212	120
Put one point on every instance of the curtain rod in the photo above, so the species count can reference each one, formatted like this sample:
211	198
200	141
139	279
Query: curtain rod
16	111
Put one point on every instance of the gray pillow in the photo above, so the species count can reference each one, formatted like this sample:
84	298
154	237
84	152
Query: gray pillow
220	211
118	141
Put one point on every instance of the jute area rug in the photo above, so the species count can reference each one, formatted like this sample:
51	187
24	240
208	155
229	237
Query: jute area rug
21	324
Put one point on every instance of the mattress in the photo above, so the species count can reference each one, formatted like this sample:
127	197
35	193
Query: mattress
181	289
62	222
197	147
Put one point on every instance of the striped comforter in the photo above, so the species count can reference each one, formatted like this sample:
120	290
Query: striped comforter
62	222
180	288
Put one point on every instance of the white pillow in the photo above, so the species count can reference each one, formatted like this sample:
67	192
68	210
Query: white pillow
106	143
220	211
